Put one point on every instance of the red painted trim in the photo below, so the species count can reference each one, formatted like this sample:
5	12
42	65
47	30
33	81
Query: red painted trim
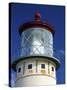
34	24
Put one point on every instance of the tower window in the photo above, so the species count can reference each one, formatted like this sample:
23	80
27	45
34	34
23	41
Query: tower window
52	68
30	66
19	70
42	66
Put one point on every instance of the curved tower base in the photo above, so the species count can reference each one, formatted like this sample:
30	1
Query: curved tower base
35	80
35	71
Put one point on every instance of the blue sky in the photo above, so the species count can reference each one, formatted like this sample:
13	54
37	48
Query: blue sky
54	15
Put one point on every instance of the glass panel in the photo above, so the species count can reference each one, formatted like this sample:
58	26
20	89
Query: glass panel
30	66
19	70
52	68
36	41
42	66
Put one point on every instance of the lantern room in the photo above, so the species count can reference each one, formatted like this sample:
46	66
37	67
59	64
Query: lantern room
36	38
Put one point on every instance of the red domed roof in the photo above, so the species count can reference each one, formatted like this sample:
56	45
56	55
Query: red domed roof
36	23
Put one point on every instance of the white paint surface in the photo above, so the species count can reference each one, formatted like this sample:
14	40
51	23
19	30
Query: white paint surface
35	81
31	77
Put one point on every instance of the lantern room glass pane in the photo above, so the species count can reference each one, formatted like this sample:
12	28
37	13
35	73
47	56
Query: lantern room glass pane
36	41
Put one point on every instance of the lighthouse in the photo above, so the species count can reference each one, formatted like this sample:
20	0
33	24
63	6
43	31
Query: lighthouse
36	65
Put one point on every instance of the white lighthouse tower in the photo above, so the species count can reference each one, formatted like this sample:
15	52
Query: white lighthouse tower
36	65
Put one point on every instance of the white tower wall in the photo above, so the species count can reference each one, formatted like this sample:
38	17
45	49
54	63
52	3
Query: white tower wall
38	80
36	76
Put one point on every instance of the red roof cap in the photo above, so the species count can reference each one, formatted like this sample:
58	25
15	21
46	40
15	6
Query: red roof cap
37	16
36	23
